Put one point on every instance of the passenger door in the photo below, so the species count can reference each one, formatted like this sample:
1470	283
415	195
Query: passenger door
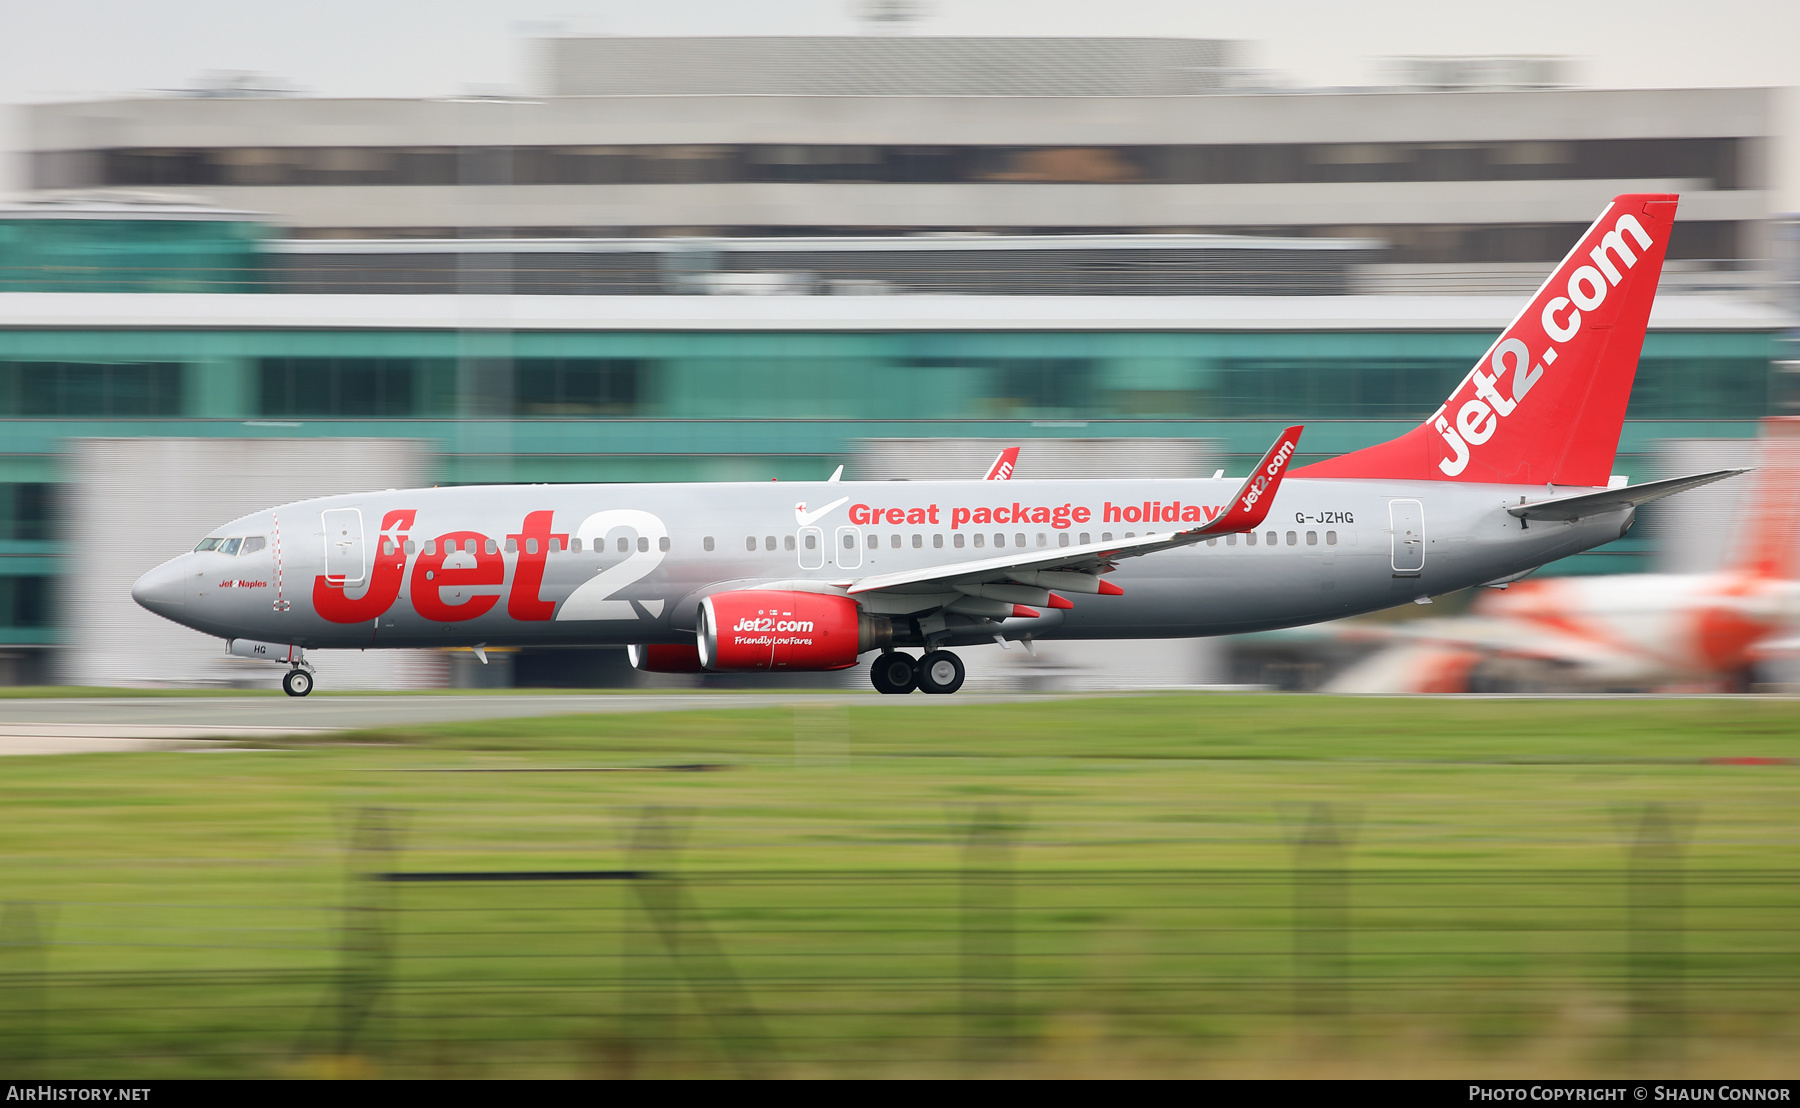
344	562
1408	519
812	548
849	547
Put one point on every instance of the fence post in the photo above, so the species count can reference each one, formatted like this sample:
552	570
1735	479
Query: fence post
1321	919
1656	904
987	936
23	1035
669	916
366	939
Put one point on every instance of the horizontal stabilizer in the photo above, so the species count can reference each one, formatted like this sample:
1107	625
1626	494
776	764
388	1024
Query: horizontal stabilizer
1583	505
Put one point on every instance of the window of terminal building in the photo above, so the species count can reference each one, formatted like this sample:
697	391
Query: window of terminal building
337	387
121	389
1043	386
25	601
1711	385
27	511
576	386
1723	163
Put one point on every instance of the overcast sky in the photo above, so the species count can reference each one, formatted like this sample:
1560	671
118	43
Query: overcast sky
90	48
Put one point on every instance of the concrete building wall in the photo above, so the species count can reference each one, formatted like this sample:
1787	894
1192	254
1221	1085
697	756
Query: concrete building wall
482	132
1333	116
134	503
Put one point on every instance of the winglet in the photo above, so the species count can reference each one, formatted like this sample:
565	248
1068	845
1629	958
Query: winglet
1002	469
1251	504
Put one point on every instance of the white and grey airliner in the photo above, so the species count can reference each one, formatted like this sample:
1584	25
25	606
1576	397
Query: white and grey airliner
1513	471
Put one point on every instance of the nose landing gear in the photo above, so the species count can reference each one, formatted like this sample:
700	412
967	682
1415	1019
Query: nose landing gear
297	682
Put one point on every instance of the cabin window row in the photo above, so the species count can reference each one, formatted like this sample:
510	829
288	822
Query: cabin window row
979	539
1274	538
553	546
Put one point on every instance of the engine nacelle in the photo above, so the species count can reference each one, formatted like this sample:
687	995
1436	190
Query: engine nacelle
768	629
665	657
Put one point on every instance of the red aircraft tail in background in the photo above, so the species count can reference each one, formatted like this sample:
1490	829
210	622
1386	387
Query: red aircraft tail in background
1002	469
1771	540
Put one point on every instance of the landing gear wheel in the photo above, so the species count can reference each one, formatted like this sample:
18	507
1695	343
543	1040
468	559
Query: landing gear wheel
895	674
940	672
298	682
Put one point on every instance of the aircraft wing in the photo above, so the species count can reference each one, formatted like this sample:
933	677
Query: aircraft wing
1247	510
1586	504
1004	463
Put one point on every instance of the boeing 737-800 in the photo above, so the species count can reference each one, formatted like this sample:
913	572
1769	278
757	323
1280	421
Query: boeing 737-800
1512	471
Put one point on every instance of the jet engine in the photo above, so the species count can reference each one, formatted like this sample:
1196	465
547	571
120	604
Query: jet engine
769	629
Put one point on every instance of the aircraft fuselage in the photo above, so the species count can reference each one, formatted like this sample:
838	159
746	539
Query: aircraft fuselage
618	564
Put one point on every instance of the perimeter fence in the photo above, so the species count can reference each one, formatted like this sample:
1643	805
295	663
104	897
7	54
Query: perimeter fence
994	965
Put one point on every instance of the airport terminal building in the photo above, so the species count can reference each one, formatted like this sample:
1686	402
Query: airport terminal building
699	281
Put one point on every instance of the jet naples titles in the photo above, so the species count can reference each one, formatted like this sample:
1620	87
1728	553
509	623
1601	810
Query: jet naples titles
1514	470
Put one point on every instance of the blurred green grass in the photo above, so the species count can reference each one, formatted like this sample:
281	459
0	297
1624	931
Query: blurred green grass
195	903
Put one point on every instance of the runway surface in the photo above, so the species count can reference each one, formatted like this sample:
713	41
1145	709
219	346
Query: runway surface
76	725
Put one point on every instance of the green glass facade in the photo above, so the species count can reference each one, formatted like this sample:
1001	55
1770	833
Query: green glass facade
132	255
946	376
679	406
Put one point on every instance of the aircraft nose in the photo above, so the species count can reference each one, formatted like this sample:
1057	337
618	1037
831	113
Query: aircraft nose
163	590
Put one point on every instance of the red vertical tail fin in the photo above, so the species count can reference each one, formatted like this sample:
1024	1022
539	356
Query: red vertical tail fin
1547	401
1002	469
1771	539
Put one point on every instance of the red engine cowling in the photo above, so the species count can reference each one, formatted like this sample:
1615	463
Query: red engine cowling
665	657
766	629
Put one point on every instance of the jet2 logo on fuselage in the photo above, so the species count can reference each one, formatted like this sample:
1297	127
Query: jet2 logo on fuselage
516	570
806	519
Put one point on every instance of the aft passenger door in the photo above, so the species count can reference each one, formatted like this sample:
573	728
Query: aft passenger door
344	561
1408	520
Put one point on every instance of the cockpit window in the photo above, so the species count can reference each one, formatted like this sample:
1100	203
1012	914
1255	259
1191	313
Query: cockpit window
253	544
230	547
208	544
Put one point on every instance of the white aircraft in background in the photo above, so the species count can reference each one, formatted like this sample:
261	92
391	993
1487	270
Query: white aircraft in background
1637	630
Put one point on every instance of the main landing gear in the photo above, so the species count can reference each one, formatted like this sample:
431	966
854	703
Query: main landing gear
297	682
939	672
